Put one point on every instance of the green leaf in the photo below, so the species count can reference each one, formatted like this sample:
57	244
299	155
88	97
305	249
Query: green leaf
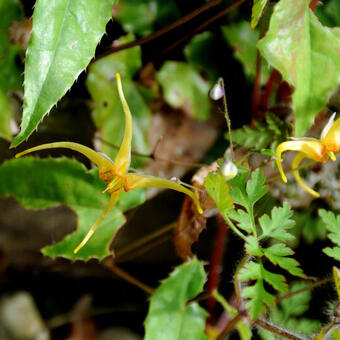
277	254
268	134
253	247
218	189
170	316
200	52
257	11
253	138
108	113
41	183
257	294
306	54
276	226
336	276
141	16
256	271
297	304
255	187
243	40
332	223
259	298
243	219
63	41
185	89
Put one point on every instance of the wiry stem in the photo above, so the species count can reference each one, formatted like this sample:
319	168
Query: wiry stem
277	330
160	32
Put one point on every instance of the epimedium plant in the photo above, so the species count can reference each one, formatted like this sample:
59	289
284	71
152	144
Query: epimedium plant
271	289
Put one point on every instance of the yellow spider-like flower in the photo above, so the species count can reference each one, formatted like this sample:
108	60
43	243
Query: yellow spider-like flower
116	173
318	150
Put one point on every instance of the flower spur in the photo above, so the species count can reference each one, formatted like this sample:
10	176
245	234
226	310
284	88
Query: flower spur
318	150
116	173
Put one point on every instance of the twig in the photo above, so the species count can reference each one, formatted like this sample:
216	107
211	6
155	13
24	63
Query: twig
230	326
110	264
277	330
227	118
309	287
160	32
215	267
201	27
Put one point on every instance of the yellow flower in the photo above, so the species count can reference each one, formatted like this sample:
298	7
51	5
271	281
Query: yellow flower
318	150
116	173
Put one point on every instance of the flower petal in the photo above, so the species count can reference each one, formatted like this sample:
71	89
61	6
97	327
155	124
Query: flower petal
296	162
312	149
122	161
138	181
112	202
332	138
104	164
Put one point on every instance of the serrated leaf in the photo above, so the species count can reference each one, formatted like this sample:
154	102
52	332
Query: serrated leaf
168	306
218	189
200	52
243	219
332	223
259	298
108	114
41	183
252	138
256	271
277	254
140	16
255	187
257	11
63	41
185	89
253	247
275	227
306	54
243	40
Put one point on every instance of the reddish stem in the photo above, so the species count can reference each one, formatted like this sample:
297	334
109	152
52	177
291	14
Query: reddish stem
215	267
274	79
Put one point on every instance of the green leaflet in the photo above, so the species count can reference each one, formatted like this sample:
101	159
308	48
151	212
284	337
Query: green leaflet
257	11
243	40
140	16
185	89
265	135
108	113
218	189
289	313
64	37
170	317
307	55
41	183
10	73
332	223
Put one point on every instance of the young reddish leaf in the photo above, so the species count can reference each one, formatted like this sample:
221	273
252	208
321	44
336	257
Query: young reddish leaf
307	55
